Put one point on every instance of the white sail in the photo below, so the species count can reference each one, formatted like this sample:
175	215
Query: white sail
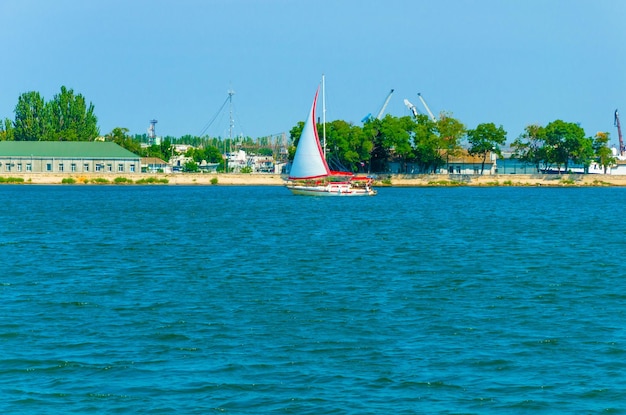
309	161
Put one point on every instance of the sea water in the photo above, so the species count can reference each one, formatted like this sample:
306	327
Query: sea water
248	300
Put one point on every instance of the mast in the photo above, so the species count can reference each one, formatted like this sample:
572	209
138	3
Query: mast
324	114
232	123
622	149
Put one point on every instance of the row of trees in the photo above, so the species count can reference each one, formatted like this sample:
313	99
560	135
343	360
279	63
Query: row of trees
421	141
428	144
66	117
560	144
424	143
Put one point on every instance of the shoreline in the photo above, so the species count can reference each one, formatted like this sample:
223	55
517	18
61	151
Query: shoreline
386	180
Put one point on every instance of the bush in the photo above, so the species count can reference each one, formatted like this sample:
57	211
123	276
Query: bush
68	180
122	180
152	180
214	180
11	180
446	183
100	180
191	167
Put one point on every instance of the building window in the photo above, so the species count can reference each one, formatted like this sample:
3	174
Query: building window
29	167
132	168
458	169
48	166
86	167
120	167
7	167
109	167
60	166
73	166
19	166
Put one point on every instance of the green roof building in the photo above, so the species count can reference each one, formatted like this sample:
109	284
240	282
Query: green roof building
66	157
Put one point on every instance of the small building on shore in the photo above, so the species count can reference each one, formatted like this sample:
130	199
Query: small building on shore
66	157
154	165
466	163
462	163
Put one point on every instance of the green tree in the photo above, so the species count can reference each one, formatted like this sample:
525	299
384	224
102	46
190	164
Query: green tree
347	147
360	149
382	145
485	139
584	153
450	132
427	145
213	155
565	142
166	149
120	137
69	118
30	117
191	167
390	139
210	154
153	151
399	133
195	154
434	141
6	130
529	146
602	151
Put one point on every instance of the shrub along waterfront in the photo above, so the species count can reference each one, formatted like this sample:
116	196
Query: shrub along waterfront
117	180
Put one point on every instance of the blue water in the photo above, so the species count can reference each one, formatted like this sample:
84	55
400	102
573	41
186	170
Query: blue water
248	300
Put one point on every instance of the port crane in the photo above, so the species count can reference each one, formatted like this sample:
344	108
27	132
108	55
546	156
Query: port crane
414	110
622	149
411	107
382	109
432	117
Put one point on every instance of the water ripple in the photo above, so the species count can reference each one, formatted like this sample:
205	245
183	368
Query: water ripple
249	300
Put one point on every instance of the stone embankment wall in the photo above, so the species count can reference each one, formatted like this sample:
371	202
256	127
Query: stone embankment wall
506	180
278	180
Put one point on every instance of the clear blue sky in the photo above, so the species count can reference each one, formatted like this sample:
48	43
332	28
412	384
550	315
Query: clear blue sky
509	62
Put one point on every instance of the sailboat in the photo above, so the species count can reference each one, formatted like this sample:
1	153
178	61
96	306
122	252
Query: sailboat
310	174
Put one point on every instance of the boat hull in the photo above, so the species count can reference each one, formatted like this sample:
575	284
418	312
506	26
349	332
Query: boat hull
331	190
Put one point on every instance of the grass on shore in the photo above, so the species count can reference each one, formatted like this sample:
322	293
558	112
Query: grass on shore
11	180
117	180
